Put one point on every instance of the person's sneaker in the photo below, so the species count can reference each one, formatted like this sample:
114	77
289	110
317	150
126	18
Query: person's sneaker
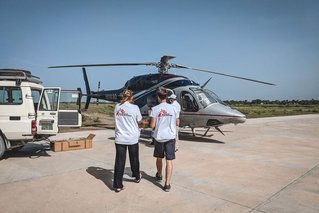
167	188
158	178
138	180
119	189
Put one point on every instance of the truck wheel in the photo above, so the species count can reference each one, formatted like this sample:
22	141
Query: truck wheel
2	146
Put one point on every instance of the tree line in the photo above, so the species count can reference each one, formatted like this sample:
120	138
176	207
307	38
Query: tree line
276	102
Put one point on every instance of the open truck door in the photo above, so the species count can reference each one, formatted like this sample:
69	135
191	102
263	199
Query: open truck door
58	108
47	113
70	109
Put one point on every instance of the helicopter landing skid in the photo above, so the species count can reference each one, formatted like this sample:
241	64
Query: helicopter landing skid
205	134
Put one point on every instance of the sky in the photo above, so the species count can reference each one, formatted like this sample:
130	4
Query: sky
276	41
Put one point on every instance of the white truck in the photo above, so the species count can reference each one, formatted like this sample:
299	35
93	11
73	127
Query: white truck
27	110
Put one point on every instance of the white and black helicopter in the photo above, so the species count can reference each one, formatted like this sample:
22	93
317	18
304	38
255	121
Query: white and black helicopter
200	107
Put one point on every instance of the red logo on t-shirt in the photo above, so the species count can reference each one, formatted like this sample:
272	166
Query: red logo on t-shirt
163	113
120	112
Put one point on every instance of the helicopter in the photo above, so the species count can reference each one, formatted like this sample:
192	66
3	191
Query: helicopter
200	107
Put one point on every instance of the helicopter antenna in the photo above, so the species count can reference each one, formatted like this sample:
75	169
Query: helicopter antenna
204	85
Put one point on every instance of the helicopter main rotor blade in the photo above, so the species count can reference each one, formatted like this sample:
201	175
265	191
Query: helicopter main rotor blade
162	66
107	65
218	73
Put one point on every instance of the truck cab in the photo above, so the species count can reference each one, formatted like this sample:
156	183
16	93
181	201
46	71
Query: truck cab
29	110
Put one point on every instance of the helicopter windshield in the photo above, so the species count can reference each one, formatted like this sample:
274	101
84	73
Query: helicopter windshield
206	97
214	95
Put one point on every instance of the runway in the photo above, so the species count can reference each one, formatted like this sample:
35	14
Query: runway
263	165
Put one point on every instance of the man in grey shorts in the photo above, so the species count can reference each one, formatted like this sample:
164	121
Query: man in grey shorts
164	119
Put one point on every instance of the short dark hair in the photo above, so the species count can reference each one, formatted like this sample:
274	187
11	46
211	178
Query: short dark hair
161	93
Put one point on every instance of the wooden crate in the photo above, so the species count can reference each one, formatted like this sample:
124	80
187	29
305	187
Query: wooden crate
72	144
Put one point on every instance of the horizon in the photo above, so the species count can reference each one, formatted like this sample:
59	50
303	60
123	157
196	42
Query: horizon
267	40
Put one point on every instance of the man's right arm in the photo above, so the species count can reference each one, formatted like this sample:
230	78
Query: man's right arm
152	122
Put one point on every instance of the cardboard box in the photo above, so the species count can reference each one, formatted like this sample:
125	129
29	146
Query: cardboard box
72	144
88	141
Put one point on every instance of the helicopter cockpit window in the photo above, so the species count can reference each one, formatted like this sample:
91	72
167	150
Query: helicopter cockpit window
204	97
189	102
211	93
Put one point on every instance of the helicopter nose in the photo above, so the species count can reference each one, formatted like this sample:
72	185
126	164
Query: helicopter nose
238	117
235	117
226	115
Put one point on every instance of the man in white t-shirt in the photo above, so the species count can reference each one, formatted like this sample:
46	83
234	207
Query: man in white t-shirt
127	118
172	100
164	119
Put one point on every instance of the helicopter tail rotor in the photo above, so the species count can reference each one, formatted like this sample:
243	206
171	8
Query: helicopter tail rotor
87	87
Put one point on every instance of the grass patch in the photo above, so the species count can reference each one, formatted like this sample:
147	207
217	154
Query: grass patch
272	110
104	113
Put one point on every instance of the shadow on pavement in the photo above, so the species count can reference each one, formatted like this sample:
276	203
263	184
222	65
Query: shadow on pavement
146	142
190	138
105	175
146	138
30	150
151	179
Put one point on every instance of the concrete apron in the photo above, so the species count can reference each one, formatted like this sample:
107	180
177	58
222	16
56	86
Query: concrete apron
264	165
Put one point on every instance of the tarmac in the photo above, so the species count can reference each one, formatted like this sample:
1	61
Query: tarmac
263	165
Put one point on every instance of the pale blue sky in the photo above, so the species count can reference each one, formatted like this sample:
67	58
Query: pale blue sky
270	40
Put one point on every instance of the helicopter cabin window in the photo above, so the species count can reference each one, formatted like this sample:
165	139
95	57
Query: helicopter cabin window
189	102
135	84
179	83
150	80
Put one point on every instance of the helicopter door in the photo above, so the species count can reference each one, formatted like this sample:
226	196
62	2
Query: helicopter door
189	106
189	103
47	113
